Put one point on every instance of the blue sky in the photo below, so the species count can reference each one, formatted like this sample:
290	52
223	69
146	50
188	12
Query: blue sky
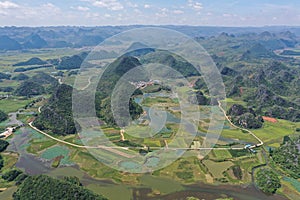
157	12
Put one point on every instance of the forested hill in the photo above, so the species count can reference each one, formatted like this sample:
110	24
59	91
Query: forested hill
18	38
45	187
106	86
56	115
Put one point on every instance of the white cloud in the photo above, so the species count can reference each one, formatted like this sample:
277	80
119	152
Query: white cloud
50	7
137	11
81	8
227	15
8	5
178	12
147	6
132	5
195	5
108	4
164	10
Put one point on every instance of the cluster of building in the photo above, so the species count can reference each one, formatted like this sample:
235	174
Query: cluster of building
143	84
8	131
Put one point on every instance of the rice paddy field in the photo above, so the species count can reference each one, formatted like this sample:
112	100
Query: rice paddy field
9	58
53	152
217	168
13	104
273	133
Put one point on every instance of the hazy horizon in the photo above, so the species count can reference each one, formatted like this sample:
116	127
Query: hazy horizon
231	13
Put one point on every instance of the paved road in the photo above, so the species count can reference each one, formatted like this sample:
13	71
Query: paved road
243	129
114	148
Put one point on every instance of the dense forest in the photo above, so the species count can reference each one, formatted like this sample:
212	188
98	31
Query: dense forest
3	145
3	116
57	115
287	156
40	83
106	86
45	187
268	181
245	117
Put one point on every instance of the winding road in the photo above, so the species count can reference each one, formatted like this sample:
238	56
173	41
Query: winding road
242	129
114	149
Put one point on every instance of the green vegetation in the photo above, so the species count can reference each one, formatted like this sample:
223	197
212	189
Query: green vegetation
3	145
4	76
3	116
272	133
238	153
199	99
237	171
58	154
6	43
106	85
287	157
258	82
267	180
57	114
36	85
11	175
29	88
187	175
174	61
20	77
1	162
294	182
68	63
244	117
13	104
31	61
45	187
217	168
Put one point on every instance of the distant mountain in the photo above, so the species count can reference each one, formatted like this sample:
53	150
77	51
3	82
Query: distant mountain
6	43
138	49
20	77
258	51
70	62
4	76
34	41
38	84
31	61
165	58
60	37
29	88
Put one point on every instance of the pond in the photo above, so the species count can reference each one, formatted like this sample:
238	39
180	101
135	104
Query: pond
130	165
167	188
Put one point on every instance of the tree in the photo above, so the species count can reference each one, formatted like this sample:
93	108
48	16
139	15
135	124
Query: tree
45	187
3	116
268	181
3	145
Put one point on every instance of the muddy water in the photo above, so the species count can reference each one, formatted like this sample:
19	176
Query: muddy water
29	163
33	165
208	192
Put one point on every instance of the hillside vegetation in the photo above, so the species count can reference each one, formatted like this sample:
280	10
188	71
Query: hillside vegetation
57	115
45	187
